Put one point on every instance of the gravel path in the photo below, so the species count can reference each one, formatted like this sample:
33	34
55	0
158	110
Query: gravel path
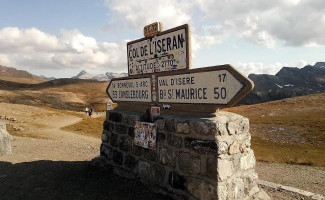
303	177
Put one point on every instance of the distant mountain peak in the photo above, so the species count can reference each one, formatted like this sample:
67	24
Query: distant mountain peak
99	77
288	82
82	73
320	65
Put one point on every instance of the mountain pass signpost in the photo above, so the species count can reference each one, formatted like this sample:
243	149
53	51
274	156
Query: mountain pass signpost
165	51
160	76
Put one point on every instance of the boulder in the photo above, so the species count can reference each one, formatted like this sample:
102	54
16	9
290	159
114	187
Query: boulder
5	140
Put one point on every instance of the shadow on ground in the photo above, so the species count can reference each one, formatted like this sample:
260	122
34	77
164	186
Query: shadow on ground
67	180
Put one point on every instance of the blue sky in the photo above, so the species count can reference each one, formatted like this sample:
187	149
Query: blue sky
61	38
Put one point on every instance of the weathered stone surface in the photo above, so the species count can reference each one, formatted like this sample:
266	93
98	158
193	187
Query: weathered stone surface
248	161
225	169
250	179
174	140
106	151
176	181
222	191
117	157
221	124
248	141
108	125
131	131
136	150
161	137
203	146
242	148
115	116
253	190
144	169
231	124
234	148
160	123
212	167
130	119
124	143
151	155
261	195
130	162
183	128
114	140
170	125
121	129
201	189
167	157
5	140
158	173
189	163
105	137
238	188
205	128
220	168
222	147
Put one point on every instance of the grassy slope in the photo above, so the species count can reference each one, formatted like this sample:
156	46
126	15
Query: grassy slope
23	80
289	130
59	94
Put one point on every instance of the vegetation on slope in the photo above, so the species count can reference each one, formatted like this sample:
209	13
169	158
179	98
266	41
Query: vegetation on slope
289	130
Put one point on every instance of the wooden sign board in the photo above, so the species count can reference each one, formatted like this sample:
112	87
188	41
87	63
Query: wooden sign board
167	51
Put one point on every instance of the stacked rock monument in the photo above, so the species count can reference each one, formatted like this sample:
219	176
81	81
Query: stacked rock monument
5	140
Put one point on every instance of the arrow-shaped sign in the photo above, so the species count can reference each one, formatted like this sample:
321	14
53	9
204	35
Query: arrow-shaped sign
130	90
221	86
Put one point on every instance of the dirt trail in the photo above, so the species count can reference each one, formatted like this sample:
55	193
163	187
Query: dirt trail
57	167
45	123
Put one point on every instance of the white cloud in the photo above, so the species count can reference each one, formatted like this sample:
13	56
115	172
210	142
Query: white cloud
264	22
258	68
137	14
33	48
293	22
303	63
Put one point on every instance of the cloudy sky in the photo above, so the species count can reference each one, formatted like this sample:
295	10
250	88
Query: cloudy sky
60	38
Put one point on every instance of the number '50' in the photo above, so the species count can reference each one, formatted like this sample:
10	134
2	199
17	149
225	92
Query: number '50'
220	92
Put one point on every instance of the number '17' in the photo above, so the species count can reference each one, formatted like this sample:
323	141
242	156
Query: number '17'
222	77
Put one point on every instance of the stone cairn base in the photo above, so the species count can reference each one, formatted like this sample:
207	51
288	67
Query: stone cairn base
195	158
5	140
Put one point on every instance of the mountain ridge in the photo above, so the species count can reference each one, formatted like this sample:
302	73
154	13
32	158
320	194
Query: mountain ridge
21	76
288	82
99	77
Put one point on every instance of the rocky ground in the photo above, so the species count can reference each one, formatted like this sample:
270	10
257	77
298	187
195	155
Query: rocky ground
54	164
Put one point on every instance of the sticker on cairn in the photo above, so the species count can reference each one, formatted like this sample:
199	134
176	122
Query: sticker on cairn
145	134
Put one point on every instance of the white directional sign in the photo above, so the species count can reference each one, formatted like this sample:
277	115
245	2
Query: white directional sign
220	85
214	87
167	51
130	90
